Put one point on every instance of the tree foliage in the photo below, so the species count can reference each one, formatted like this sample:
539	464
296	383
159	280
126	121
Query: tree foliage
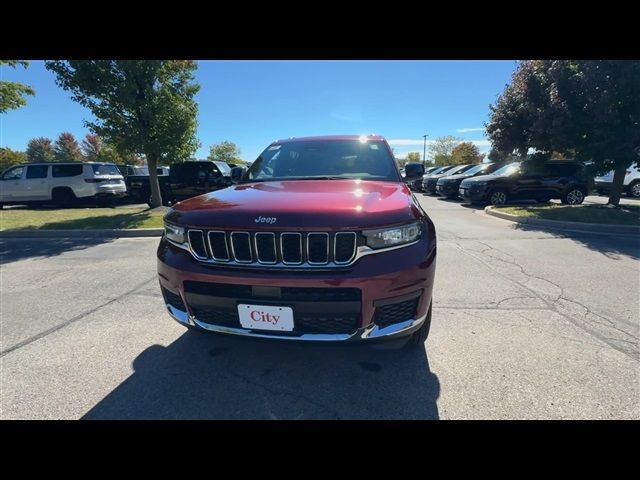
9	158
582	109
465	153
66	148
146	107
441	148
441	160
92	147
413	157
40	150
225	151
12	94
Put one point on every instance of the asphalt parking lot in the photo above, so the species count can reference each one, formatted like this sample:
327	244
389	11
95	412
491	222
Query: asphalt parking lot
528	323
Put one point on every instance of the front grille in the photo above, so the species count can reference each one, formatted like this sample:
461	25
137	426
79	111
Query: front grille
313	249
396	312
173	299
287	294
315	309
327	324
224	318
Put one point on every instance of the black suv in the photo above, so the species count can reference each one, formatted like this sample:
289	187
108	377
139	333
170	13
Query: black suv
430	182
448	185
561	179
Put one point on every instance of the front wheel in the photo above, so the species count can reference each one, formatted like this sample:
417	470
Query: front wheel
497	197
573	196
420	336
634	190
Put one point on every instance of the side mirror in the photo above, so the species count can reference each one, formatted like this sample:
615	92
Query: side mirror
236	174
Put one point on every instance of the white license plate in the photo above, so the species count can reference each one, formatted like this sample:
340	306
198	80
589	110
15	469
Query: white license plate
266	317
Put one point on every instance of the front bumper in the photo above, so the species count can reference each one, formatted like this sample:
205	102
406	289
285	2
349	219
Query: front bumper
381	279
449	189
472	193
429	186
368	333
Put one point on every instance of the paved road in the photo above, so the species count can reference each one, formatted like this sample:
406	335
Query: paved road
528	323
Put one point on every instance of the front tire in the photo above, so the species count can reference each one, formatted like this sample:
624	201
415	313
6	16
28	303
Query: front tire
634	189
573	196
420	336
497	197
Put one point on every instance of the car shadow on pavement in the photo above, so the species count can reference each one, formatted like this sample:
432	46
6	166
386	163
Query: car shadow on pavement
16	249
204	376
612	246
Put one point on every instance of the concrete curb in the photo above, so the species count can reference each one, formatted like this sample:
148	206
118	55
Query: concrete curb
586	227
97	233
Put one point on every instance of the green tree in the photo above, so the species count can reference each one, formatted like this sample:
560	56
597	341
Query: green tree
40	150
441	148
66	148
9	158
441	160
145	107
92	147
465	153
413	157
12	94
225	151
582	109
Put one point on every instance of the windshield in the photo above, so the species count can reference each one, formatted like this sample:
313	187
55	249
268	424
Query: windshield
224	168
334	159
141	170
105	169
508	170
476	169
458	169
436	171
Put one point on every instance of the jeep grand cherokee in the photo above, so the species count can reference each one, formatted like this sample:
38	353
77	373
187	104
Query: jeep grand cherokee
318	240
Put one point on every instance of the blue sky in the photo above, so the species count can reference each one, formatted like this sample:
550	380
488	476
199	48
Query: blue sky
255	102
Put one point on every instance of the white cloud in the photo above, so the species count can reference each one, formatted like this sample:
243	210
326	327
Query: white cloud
466	130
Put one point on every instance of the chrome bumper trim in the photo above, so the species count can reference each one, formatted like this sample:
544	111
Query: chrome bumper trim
369	332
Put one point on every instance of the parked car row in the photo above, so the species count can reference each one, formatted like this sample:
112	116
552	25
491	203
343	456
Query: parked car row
499	183
67	183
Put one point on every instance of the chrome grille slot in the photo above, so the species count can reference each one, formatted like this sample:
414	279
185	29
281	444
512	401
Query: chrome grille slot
318	248
218	246
274	249
266	247
291	248
344	247
196	240
241	247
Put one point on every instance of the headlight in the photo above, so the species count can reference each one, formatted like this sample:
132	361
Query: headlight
174	233
389	237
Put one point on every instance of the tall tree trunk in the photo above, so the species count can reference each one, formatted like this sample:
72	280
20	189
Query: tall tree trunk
152	163
618	184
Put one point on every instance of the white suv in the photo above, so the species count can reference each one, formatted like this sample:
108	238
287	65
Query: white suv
631	182
60	182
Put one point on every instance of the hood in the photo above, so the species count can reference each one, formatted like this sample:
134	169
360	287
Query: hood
457	177
289	205
481	178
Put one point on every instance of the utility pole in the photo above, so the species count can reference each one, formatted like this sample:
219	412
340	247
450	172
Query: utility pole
424	150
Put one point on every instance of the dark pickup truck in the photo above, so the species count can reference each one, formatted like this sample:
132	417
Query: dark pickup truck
190	179
136	178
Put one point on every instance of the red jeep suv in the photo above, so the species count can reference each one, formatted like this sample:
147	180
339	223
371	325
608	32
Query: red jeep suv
319	240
